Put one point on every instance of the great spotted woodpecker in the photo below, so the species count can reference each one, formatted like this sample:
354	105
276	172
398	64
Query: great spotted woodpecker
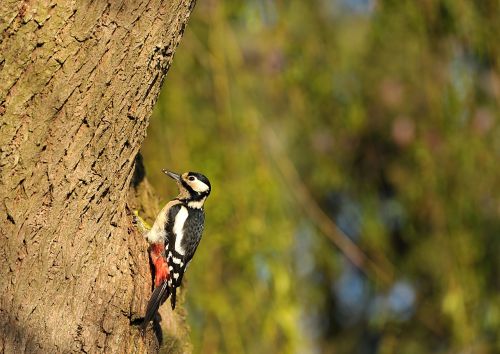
174	238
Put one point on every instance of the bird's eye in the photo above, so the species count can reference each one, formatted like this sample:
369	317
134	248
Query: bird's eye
191	178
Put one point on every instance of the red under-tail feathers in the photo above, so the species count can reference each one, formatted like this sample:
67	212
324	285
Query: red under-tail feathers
162	291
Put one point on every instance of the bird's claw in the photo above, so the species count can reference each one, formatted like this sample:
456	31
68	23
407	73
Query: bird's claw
139	222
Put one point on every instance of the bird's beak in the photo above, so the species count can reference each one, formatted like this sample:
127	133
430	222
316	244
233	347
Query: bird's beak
173	175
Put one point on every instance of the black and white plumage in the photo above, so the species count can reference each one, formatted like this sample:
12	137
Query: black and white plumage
175	236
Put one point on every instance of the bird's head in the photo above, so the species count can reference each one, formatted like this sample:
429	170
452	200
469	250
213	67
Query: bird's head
194	187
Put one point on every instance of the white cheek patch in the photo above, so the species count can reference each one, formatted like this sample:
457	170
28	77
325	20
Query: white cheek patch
198	185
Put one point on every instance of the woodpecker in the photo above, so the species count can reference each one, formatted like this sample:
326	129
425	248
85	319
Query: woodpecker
174	237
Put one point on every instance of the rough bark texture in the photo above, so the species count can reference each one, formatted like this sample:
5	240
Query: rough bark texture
78	80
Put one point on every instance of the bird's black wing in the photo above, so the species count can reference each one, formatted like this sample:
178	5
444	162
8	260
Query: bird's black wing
192	232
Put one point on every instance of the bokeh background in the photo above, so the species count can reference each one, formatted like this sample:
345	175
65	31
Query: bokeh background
353	148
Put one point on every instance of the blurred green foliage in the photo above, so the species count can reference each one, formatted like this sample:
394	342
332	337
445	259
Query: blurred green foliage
389	112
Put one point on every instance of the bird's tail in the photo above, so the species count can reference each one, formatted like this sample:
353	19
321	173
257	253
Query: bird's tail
159	296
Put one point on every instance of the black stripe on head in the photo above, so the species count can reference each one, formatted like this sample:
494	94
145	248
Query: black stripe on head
188	187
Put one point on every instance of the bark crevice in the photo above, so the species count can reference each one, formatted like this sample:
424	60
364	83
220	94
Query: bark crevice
77	83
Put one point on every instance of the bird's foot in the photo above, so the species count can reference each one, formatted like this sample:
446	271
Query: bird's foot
139	222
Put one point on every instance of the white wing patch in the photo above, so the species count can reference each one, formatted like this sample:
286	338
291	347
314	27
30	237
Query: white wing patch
180	219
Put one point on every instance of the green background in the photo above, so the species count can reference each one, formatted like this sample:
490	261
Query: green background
317	122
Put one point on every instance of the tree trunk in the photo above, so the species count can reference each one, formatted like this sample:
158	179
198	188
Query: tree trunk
78	81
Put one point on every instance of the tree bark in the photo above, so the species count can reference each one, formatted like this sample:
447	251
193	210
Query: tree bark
78	81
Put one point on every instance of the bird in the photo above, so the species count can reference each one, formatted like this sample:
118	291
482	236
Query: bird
174	238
